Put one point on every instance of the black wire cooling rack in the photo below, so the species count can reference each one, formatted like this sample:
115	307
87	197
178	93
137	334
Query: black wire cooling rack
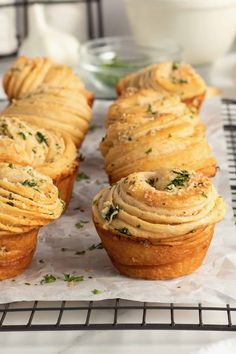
129	315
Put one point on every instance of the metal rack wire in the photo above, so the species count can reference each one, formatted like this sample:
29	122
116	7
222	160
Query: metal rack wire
83	315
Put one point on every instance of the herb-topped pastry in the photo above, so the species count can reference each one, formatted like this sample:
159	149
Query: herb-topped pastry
28	200
156	140
50	152
63	109
27	74
173	77
135	103
158	225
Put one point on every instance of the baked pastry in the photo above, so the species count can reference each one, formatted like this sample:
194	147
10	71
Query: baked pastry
144	102
178	78
52	153
158	225
28	200
63	109
155	141
27	74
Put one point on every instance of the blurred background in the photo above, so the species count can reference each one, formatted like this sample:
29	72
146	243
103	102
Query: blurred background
105	39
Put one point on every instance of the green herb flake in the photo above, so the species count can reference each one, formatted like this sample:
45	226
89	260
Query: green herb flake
112	212
179	181
151	181
41	138
80	253
73	278
96	291
82	176
99	246
149	109
11	204
48	278
175	65
80	224
124	231
27	284
148	151
81	157
93	127
29	183
204	195
22	135
10	165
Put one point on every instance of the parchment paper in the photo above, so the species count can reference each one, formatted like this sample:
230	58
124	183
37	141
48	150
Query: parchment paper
65	248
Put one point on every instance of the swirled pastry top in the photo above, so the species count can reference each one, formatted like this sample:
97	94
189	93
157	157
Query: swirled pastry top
150	126
179	78
54	108
144	102
28	199
163	142
158	205
51	152
28	74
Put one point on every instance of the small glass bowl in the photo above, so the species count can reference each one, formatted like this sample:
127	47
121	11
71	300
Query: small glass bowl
105	60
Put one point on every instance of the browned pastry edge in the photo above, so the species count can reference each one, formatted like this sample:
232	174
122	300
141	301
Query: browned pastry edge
65	183
195	101
16	253
137	258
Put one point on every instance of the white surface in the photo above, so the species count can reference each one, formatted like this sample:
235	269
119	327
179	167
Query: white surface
193	24
213	282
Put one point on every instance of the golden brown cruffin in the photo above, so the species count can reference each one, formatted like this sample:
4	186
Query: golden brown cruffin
158	225
173	77
52	153
27	74
63	109
179	122
157	141
144	102
28	200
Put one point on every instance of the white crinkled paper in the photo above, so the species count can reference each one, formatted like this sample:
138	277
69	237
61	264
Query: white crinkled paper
58	243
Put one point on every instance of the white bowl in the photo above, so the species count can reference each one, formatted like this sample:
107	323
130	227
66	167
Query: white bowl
204	28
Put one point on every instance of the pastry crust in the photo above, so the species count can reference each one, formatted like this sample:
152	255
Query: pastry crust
27	74
51	152
63	109
178	78
147	142
28	200
16	253
158	225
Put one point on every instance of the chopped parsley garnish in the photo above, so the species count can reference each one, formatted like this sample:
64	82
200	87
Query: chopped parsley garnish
179	181
204	195
11	204
148	151
48	278
34	150
10	165
82	176
124	231
27	284
10	196
96	291
175	65
75	278
149	109
99	246
29	183
78	253
22	135
112	212
80	224
183	81
41	138
93	127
